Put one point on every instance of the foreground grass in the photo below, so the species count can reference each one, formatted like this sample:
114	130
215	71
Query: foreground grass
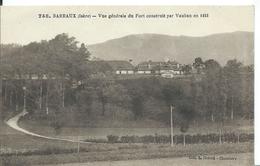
23	150
242	159
115	152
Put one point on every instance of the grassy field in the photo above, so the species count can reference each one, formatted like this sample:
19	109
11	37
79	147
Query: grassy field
242	159
26	150
85	132
20	149
129	152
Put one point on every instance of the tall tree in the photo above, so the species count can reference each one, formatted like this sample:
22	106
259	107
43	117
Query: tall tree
198	64
68	61
212	70
232	76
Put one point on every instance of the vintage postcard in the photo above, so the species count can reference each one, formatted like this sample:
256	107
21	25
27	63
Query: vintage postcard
127	85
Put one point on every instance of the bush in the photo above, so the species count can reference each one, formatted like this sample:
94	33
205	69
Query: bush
189	139
57	126
112	138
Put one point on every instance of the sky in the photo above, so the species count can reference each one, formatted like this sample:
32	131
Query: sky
21	25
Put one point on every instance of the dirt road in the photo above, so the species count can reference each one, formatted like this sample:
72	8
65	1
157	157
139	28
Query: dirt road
13	123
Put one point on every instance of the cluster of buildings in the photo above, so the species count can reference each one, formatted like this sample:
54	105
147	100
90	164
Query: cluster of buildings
167	69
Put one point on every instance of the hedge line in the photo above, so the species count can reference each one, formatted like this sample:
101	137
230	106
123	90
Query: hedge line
183	139
47	151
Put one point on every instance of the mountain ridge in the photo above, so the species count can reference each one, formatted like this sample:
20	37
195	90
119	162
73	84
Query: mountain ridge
184	49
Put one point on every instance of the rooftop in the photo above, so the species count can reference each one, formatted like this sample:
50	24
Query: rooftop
120	65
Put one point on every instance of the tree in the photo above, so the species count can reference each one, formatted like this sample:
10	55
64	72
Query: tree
186	115
198	97
198	61
211	86
102	85
67	61
60	61
232	77
198	65
223	96
85	99
172	94
187	69
137	102
83	51
136	96
108	91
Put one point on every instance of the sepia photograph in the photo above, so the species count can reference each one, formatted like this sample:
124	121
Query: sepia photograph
127	86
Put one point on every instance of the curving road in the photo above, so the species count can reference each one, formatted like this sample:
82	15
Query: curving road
13	123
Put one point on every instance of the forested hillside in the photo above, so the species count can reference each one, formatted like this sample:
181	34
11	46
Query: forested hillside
222	93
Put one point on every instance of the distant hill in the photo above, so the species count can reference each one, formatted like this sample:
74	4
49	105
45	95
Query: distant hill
184	49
